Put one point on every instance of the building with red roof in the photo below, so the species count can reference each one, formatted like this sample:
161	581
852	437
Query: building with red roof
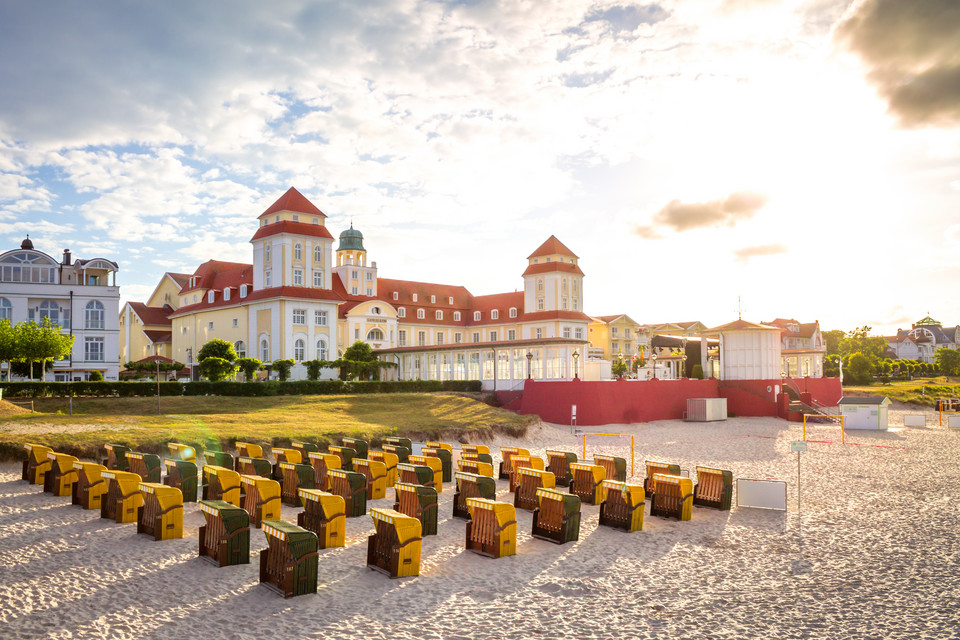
303	299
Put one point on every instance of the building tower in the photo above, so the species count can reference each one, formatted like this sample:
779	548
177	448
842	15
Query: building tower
358	278
552	280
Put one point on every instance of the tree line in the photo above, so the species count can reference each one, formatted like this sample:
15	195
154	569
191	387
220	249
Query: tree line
864	359
30	348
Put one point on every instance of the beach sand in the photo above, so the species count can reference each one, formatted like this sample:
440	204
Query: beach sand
876	554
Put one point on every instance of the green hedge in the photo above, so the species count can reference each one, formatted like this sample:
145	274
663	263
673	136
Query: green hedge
271	388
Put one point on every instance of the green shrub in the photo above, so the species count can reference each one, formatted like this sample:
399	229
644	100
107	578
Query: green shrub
697	372
96	376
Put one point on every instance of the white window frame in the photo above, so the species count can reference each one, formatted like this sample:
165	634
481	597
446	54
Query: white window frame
476	316
299	350
421	314
319	318
93	349
513	312
94	314
298	277
401	312
299	316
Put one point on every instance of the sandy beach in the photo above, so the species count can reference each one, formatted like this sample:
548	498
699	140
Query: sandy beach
874	554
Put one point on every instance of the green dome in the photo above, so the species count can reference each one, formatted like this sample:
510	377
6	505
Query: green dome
351	240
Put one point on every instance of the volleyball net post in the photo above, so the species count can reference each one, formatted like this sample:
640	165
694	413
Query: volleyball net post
611	435
843	420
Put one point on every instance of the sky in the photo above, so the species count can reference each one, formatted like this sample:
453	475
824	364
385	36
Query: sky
787	158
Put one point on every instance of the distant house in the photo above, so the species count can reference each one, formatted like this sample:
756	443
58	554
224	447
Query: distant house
610	336
801	347
922	340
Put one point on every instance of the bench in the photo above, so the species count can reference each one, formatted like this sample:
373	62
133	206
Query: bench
89	488
293	477
346	455
390	462
225	538
492	529
623	506
122	498
261	498
714	488
558	463
161	514
471	463
182	452
505	454
520	461
145	465
221	483
415	474
402	453
116	457
673	497
305	449
443	451
36	464
247	450
529	481
420	502
557	518
321	463
446	460
61	475
325	515
587	482
283	454
474	448
360	446
352	487
395	548
289	564
219	459
653	468
434	464
182	474
376	474
248	466
615	467
471	485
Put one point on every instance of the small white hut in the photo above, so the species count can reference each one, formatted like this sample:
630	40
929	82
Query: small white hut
868	412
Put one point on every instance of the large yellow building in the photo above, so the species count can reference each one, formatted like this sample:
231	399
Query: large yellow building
613	336
302	299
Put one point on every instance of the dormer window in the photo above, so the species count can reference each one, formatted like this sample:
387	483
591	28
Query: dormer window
439	315
414	297
495	315
396	295
296	218
433	299
513	312
421	314
450	300
536	261
316	220
277	219
401	312
456	316
226	293
476	316
243	291
210	295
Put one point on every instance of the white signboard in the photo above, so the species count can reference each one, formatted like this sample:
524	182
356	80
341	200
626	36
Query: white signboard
762	494
914	420
800	445
953	422
573	412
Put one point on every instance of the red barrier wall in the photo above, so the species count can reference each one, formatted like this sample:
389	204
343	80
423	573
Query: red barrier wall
626	401
613	402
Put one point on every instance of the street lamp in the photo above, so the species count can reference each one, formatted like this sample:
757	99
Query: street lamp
529	363
653	358
156	356
576	359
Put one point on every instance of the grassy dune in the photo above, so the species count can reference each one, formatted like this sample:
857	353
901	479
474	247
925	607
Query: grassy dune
268	420
920	391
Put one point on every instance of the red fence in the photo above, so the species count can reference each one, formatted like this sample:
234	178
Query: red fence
626	401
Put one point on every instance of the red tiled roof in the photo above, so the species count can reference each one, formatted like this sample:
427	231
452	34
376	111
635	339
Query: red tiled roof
805	330
297	228
547	267
294	201
608	319
159	336
152	315
552	247
540	316
301	293
214	274
462	299
180	278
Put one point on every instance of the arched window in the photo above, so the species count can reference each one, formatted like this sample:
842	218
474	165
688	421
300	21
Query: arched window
299	349
317	254
50	309
375	335
264	350
321	349
298	251
241	348
94	315
6	310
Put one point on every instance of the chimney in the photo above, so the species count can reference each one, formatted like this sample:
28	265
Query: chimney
66	257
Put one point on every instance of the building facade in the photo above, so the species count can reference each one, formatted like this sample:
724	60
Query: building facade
802	348
613	336
304	299
79	296
922	339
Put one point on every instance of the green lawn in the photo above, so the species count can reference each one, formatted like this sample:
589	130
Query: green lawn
922	391
267	420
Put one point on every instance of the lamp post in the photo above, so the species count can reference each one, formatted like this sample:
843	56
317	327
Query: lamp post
529	363
156	357
576	359
653	358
